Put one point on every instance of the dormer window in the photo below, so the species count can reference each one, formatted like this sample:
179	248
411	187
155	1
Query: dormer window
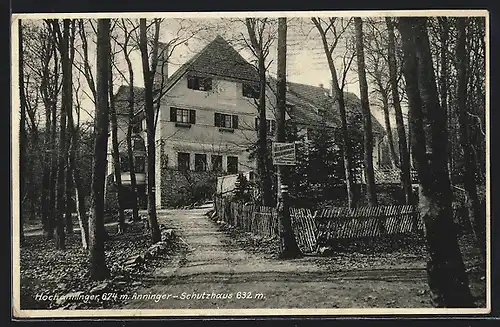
251	91
199	83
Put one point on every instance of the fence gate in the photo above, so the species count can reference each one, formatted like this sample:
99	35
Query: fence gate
304	228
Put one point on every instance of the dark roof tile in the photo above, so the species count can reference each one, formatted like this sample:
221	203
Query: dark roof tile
219	58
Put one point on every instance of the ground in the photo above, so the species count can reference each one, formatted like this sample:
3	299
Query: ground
218	263
214	268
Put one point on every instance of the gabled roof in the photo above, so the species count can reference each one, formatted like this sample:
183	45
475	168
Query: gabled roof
218	58
122	99
221	59
312	105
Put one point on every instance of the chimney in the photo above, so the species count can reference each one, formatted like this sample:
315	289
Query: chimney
321	85
161	72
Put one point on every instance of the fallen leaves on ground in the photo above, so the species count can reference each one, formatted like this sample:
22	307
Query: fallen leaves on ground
63	274
268	247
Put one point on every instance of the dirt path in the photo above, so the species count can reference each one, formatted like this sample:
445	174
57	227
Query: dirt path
212	273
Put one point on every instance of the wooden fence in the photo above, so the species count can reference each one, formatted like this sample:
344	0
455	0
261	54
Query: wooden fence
322	226
336	223
258	220
305	229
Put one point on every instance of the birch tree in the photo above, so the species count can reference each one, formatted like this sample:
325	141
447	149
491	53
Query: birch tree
447	278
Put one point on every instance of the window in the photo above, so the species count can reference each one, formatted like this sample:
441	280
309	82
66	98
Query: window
140	164
232	165
227	121
216	162
250	91
270	125
200	162
185	116
199	83
183	161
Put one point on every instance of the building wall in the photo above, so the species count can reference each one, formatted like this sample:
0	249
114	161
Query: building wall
204	137
122	123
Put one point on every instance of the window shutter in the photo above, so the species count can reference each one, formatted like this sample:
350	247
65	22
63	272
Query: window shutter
273	127
217	119
256	92
192	116
173	114
235	121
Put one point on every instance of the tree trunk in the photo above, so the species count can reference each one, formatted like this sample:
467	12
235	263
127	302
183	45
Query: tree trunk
98	268
466	142
73	167
69	199
79	193
346	147
31	187
69	179
387	121
149	109
116	152
289	247
62	155
46	176
443	80
447	279
53	174
367	117
130	151
404	156
263	168
47	155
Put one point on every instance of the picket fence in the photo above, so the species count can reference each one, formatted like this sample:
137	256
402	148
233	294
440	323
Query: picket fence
258	220
322	226
336	223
